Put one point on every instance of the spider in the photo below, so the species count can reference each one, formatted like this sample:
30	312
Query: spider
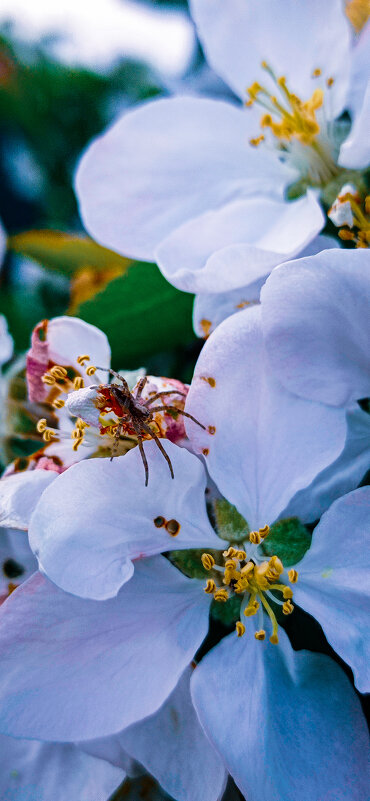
139	414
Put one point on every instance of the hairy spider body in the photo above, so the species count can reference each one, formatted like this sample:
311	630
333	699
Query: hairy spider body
136	415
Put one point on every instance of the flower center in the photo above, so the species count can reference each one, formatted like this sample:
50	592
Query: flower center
293	123
246	573
353	212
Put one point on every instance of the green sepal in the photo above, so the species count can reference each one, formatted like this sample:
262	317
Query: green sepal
230	524
288	539
227	612
190	562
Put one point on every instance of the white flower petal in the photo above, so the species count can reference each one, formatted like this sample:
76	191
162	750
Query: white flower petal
99	516
17	562
340	477
333	581
90	668
132	196
210	309
33	771
316	323
6	341
266	444
239	243
355	150
294	39
283	721
19	494
172	746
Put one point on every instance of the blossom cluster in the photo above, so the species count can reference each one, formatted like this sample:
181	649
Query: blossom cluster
159	543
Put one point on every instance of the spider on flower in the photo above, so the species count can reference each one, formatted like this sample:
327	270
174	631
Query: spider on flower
137	413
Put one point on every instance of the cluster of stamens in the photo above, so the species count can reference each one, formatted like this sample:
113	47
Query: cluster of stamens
290	119
253	578
352	212
57	378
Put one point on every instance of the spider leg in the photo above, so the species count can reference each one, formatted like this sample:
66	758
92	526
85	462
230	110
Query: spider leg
178	411
165	392
116	441
140	387
116	375
142	452
157	441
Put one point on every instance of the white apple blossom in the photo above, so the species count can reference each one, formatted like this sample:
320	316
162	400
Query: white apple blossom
202	201
62	358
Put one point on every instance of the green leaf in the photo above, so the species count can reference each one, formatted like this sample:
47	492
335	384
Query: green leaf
64	252
228	612
142	314
289	539
230	524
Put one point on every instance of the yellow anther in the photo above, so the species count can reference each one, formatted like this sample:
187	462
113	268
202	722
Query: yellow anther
249	103
293	575
330	82
221	595
230	563
91	370
252	608
256	140
48	379
58	403
210	586
264	531
83	359
316	73
78	382
58	372
276	568
260	635
207	561
346	235
287	593
230	553
241	555
240	628
288	608
41	425
358	13
255	537
77	433
48	435
254	90
274	639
